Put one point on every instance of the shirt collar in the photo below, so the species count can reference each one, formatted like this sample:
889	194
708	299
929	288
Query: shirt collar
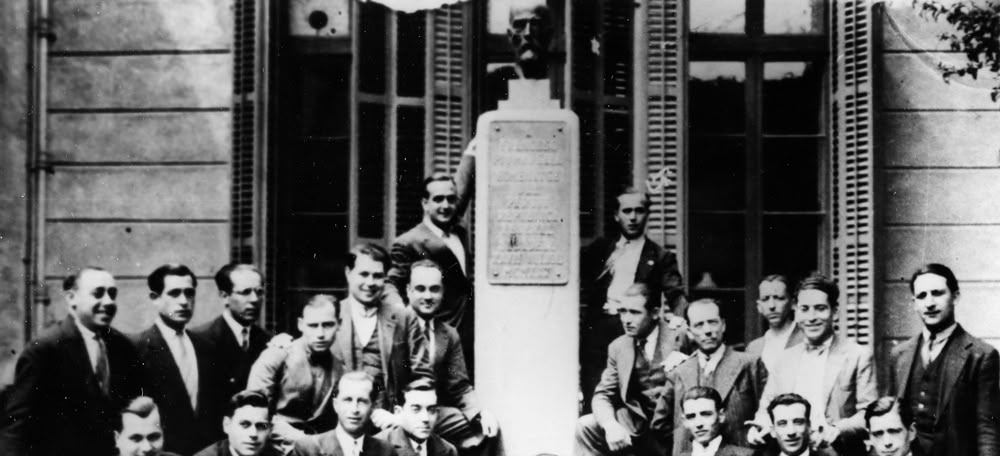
435	229
941	336
236	326
713	445
717	354
653	336
821	348
359	310
166	330
633	243
84	331
345	439
414	443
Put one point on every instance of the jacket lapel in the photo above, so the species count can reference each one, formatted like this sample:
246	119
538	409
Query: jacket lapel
387	327
955	354
625	367
345	335
73	339
725	373
835	358
435	246
904	364
647	259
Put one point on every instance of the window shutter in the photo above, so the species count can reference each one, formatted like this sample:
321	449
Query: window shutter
245	133
852	167
665	113
449	102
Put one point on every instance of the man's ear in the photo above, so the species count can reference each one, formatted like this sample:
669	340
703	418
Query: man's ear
913	433
397	409
722	415
223	294
225	422
153	295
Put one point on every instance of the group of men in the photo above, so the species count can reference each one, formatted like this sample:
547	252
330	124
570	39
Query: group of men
83	387
670	385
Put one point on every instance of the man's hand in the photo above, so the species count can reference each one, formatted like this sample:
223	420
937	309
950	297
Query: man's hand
282	340
674	359
617	436
488	423
383	419
283	436
674	322
758	432
471	148
824	435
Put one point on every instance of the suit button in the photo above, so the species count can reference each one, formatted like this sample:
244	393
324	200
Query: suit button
922	394
920	406
232	380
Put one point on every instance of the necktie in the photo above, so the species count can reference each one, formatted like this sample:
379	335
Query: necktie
420	449
640	351
429	335
187	370
706	371
101	369
356	451
245	338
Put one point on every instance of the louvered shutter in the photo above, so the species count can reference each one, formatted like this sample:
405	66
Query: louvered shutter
245	133
665	114
449	103
852	167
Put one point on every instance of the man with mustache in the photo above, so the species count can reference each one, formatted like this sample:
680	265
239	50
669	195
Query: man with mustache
177	366
530	33
775	304
418	415
890	428
736	378
703	417
439	238
625	399
835	375
608	267
460	420
71	382
298	379
380	338
944	376
237	339
353	401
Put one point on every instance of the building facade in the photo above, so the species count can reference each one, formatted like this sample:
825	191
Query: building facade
774	136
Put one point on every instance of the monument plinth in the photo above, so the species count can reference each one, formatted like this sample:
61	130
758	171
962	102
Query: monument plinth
527	293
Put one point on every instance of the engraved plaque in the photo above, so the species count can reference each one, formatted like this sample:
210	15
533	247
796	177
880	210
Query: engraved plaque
528	209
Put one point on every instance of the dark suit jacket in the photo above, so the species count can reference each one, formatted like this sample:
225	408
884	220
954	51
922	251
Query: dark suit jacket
969	400
612	392
454	389
285	376
402	343
221	448
421	243
326	444
55	405
724	450
657	268
739	378
185	431
230	361
436	446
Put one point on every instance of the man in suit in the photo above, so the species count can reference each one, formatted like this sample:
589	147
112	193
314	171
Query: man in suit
247	424
237	340
703	416
71	382
298	379
418	414
382	339
625	399
738	379
460	419
890	428
775	304
441	239
177	364
138	431
353	399
608	266
835	375
946	377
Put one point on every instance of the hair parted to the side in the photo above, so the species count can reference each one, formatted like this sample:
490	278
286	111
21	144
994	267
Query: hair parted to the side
69	283
702	392
436	177
141	406
822	283
356	376
155	279
374	251
224	279
885	405
937	269
788	399
252	398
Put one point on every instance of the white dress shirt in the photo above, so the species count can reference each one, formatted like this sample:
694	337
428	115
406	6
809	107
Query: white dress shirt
184	357
625	261
351	446
432	349
453	242
809	378
89	341
236	327
365	320
930	351
421	445
708	450
774	344
708	363
649	349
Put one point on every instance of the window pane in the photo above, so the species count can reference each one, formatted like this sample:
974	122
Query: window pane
410	49
716	246
790	174
718	16
792	97
315	250
717	173
790	245
617	160
321	175
793	16
717	97
372	42
409	166
371	170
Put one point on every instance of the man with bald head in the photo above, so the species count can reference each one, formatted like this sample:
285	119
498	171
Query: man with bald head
71	382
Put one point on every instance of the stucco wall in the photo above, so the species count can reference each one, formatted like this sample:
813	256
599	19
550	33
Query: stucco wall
939	168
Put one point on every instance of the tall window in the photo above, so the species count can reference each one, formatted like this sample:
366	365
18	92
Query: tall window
757	198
